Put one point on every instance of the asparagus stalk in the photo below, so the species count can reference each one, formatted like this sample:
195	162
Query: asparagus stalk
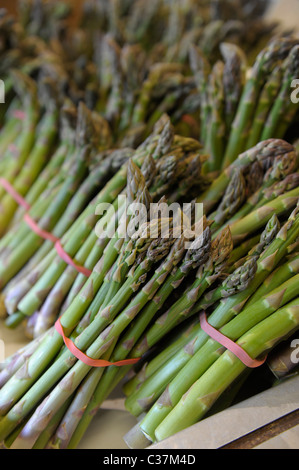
55	342
201	70
234	79
283	109
65	147
18	155
214	143
17	360
240	229
279	276
266	100
233	199
113	285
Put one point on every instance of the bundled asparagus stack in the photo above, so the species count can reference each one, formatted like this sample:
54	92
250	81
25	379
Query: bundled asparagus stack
115	298
113	59
40	291
169	26
132	75
184	368
114	314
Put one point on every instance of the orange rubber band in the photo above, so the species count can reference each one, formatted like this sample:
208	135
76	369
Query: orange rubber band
229	344
86	359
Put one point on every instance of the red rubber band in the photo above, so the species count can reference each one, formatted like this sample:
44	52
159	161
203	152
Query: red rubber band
63	255
229	344
188	119
16	196
86	359
42	233
19	114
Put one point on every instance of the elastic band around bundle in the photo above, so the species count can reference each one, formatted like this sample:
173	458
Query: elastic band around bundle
39	231
14	194
229	344
19	114
86	359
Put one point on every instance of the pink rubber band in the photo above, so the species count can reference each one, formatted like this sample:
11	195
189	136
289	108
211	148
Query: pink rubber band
16	196
86	359
63	255
229	344
40	232
19	114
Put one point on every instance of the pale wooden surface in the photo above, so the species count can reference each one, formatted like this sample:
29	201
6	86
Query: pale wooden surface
242	419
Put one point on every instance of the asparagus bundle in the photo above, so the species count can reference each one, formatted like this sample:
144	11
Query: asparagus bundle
279	53
109	281
187	364
132	81
242	105
129	262
105	282
254	220
171	25
49	199
112	376
49	284
109	54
